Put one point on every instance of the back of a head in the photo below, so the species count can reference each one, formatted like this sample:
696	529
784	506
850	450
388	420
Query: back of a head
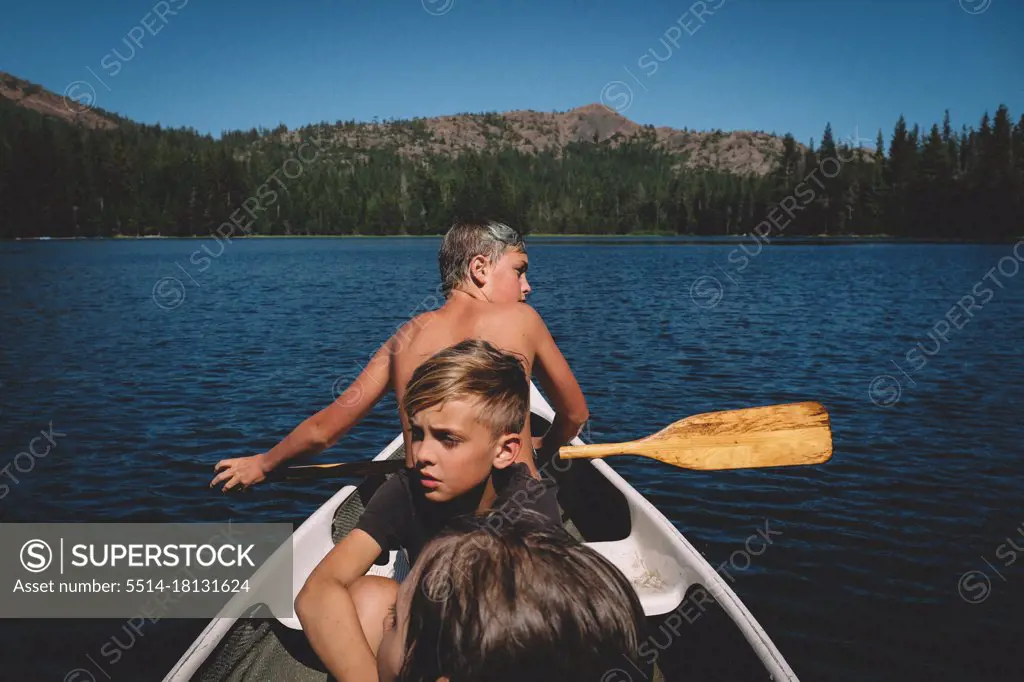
466	240
522	601
473	370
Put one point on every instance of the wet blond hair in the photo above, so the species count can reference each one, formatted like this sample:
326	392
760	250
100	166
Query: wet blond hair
473	370
467	240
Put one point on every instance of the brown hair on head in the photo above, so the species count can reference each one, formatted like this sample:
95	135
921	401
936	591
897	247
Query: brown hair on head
477	371
522	601
466	240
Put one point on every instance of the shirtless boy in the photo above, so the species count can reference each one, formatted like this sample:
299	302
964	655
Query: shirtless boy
483	276
466	406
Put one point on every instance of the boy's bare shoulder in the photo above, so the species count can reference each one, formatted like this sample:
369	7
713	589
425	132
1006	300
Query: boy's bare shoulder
421	319
411	328
522	313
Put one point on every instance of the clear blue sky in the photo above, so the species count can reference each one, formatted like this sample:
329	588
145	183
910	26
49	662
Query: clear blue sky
773	65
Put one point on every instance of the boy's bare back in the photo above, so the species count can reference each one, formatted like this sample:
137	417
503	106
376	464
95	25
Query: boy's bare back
513	327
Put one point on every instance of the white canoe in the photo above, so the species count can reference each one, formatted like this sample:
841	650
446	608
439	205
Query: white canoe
698	627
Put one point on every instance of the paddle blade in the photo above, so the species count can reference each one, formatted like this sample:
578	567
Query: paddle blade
772	436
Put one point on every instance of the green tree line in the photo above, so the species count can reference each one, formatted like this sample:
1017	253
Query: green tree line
62	180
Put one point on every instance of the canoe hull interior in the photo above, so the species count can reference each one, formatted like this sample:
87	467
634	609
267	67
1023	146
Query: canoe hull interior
697	627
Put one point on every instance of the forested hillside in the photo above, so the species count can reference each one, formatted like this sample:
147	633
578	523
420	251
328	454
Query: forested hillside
64	178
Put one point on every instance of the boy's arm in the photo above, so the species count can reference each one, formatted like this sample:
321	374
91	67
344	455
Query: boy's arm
317	433
328	615
560	385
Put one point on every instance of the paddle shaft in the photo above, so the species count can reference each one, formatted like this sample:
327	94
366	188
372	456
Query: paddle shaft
307	472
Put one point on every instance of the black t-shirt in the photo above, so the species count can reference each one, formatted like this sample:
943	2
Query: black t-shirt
399	515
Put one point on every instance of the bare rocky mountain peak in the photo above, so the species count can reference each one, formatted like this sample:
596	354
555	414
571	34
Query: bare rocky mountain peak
530	131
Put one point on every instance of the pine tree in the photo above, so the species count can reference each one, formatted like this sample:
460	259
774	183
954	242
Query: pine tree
949	139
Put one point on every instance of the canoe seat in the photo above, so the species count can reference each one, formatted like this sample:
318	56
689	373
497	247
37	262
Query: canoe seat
660	591
652	559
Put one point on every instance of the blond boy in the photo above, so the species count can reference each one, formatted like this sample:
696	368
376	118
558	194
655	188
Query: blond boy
466	407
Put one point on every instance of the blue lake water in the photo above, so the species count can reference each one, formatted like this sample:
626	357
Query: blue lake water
892	562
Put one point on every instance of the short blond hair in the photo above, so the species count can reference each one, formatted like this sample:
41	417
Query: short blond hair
467	240
473	370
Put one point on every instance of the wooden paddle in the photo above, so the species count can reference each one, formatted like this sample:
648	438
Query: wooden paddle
773	436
